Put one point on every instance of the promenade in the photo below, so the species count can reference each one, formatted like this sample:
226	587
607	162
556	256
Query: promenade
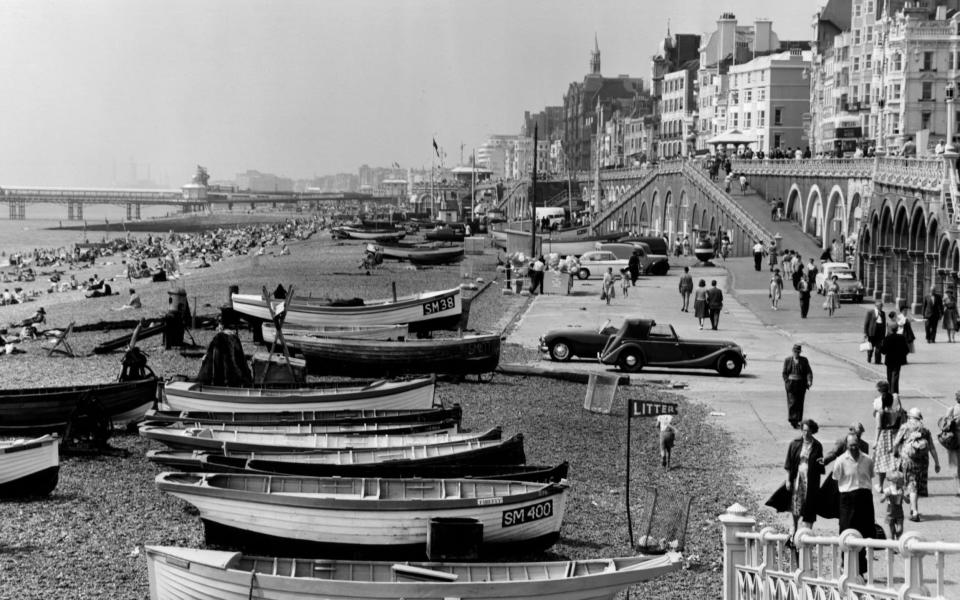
752	407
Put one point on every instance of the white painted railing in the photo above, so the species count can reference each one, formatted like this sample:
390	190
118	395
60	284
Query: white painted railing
758	565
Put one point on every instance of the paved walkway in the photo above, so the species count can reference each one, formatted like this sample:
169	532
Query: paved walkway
753	407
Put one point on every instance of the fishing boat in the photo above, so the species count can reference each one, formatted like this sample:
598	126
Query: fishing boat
359	428
191	574
370	234
373	462
447	233
470	354
421	312
356	513
413	394
424	256
29	467
205	438
306	417
51	409
357	332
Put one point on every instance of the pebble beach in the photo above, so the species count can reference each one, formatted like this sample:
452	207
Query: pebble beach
86	539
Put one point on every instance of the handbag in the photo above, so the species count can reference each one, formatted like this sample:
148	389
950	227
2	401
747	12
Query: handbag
866	347
948	435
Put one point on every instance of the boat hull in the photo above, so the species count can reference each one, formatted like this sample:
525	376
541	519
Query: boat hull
417	394
29	467
370	513
457	356
49	410
187	574
357	332
314	417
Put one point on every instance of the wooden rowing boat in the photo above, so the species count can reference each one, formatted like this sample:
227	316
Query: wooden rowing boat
424	256
421	312
206	438
372	462
413	394
371	235
374	513
29	467
357	332
307	417
189	574
50	409
361	428
470	354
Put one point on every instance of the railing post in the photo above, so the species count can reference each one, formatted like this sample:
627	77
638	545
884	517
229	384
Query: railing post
851	562
734	521
912	566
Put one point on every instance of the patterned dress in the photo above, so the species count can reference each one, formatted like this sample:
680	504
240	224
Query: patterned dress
833	295
883	459
915	464
801	484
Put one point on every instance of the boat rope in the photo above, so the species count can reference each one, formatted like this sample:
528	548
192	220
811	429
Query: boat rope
253	582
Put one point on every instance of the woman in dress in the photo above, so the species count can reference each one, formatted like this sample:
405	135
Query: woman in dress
804	468
886	414
776	289
608	282
953	456
833	296
700	302
906	328
914	446
950	316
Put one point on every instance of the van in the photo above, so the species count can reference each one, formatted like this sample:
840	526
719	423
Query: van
556	215
658	245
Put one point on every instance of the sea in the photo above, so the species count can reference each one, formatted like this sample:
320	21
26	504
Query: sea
41	228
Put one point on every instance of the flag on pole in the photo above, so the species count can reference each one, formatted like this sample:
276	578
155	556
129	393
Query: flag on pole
436	148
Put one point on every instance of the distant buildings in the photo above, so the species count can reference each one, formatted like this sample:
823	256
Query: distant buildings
255	181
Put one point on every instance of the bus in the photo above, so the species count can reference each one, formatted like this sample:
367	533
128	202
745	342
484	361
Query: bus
842	135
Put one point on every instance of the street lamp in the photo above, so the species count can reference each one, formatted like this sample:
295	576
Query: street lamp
950	92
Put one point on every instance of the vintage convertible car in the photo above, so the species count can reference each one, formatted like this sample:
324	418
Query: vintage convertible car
641	342
562	344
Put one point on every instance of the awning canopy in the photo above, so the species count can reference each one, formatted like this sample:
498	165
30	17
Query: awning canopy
733	136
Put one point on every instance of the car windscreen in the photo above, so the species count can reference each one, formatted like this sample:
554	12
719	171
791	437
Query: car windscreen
843	274
661	332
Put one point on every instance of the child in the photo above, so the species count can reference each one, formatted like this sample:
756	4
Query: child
625	282
892	494
667	436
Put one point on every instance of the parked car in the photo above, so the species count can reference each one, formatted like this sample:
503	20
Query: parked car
850	286
641	342
649	264
594	264
657	252
563	344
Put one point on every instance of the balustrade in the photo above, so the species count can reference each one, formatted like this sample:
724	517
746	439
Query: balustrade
759	564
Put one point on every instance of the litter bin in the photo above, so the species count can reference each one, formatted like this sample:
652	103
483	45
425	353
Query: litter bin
454	538
172	330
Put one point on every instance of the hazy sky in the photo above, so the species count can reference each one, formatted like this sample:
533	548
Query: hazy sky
303	88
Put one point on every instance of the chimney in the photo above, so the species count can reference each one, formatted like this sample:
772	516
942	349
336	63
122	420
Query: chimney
762	36
727	38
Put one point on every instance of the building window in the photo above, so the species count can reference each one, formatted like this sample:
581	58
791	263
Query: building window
928	61
747	95
866	92
926	90
734	97
778	116
925	120
869	35
897	62
762	118
868	63
746	120
856	10
869	6
896	91
856	63
733	119
856	37
762	94
776	140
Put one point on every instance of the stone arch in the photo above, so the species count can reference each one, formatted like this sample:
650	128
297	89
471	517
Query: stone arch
854	215
917	230
813	215
634	224
874	231
834	226
885	230
656	213
683	216
901	237
933	233
669	216
794	209
644	217
943	252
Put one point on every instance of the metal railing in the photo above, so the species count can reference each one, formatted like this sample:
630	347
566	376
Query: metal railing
750	224
759	565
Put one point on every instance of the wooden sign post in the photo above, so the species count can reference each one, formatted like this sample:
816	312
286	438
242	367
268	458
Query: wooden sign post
642	408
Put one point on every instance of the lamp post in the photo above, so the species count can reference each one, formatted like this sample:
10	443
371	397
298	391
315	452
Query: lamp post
950	92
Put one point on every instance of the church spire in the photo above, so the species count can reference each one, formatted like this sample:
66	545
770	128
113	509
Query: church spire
595	57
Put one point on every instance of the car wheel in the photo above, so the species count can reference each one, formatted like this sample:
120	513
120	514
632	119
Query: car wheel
560	351
631	361
661	269
730	365
858	299
583	273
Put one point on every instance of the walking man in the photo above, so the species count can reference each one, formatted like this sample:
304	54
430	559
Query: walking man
803	290
895	350
633	265
932	311
874	330
797	379
714	304
686	288
853	472
758	255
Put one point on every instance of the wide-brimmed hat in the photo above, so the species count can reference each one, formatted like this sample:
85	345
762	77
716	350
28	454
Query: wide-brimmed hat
856	427
914	413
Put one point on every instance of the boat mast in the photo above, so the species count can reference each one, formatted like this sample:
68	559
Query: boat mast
595	205
533	198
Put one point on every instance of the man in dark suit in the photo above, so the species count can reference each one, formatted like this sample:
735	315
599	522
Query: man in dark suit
874	330
932	311
714	304
797	379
